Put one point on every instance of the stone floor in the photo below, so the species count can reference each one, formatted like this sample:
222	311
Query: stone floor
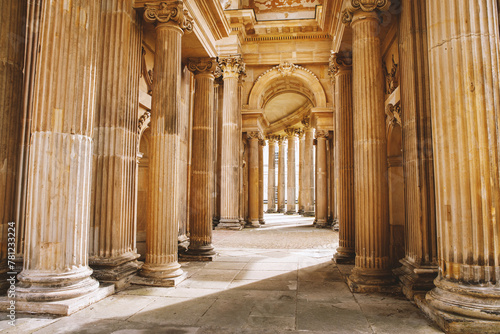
259	283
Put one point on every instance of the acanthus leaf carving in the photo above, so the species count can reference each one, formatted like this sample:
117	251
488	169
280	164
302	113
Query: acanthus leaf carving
393	114
339	62
232	66
321	134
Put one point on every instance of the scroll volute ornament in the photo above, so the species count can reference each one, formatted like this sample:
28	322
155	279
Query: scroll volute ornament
169	11
203	65
339	62
351	6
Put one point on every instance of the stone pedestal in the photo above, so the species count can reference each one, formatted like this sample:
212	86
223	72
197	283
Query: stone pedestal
202	170
308	181
341	68
420	263
12	43
463	59
271	176
321	180
161	267
57	216
253	179
291	179
232	68
112	251
281	175
372	271
262	143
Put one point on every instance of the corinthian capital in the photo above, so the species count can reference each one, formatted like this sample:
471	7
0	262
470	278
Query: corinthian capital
203	65
352	6
232	67
168	12
339	62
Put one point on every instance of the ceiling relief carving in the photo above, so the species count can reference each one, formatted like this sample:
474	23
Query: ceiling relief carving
283	9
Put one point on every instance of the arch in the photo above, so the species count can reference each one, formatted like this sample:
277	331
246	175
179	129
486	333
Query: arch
290	77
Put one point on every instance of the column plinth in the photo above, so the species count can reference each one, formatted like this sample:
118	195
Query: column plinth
232	68
341	68
57	214
202	170
463	58
372	271
161	267
271	176
253	179
321	180
291	179
281	175
308	181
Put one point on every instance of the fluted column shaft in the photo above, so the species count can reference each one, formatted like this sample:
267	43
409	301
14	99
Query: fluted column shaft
345	159
308	182
281	175
112	218
12	42
231	141
372	268
464	59
271	177
420	220
302	175
321	180
291	179
202	170
262	143
161	265
57	215
253	179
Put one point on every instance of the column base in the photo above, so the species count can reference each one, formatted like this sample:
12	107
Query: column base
202	254
290	213
363	281
282	210
160	282
43	286
476	302
182	243
119	276
271	211
308	214
335	225
62	307
252	224
229	224
415	280
262	222
321	223
344	256
455	324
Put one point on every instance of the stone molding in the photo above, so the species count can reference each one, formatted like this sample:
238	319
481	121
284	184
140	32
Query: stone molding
339	63
286	69
262	142
168	12
143	123
352	6
204	66
232	67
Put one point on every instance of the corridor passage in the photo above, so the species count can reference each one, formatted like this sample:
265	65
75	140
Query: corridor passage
274	279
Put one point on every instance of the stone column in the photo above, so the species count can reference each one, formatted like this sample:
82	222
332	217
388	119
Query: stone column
202	171
57	214
271	176
464	48
291	180
331	186
253	179
161	267
301	170
262	143
420	263
341	68
281	175
372	271
12	42
112	250
232	68
308	182
321	180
